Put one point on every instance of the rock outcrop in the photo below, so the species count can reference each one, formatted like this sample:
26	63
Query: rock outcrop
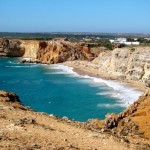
11	48
31	48
134	120
131	126
23	128
49	52
127	63
57	52
8	97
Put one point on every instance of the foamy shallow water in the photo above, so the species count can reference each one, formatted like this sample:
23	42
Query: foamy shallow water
125	94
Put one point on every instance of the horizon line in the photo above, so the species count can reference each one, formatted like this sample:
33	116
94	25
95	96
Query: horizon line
78	32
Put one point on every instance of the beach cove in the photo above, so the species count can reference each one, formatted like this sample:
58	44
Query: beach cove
85	133
70	84
63	91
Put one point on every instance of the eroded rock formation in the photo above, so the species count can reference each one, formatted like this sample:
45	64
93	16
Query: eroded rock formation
56	52
49	52
23	128
31	48
127	63
11	48
8	97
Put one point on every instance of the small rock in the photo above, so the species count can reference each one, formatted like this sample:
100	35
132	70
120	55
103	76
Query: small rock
124	140
103	130
36	146
111	121
126	120
65	140
26	121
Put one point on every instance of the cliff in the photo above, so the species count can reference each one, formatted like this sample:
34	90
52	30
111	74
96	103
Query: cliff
31	48
60	51
126	63
132	125
49	52
23	128
11	48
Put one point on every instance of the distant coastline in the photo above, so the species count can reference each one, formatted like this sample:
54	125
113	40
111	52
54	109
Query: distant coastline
77	35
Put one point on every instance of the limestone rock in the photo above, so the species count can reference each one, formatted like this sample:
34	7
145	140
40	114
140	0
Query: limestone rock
111	121
11	48
127	64
26	121
31	47
57	52
8	97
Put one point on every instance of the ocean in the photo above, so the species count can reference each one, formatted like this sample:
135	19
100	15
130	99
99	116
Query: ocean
57	89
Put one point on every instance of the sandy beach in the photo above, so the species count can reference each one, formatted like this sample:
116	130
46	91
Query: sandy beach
93	70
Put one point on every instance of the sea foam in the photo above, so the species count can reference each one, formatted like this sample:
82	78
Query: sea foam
126	95
24	66
63	69
110	105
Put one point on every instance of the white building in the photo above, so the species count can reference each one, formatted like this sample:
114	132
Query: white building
118	40
131	43
123	41
112	41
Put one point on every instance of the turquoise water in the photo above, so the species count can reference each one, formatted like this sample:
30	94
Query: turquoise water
56	89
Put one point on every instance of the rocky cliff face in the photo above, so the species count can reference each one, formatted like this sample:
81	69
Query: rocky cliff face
57	52
127	63
31	48
23	128
45	51
11	48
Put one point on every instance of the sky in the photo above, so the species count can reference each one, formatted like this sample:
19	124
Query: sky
104	16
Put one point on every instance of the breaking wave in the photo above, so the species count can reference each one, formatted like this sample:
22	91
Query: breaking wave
114	89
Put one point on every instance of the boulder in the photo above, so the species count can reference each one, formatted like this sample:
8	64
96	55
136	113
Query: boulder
8	97
111	121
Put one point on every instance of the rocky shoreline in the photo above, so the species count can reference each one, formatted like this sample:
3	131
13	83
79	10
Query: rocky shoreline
139	109
23	128
131	127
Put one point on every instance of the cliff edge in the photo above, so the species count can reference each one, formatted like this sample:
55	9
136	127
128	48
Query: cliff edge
49	52
11	48
23	128
131	127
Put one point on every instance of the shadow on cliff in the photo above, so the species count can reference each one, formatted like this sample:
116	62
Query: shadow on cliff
11	48
53	52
